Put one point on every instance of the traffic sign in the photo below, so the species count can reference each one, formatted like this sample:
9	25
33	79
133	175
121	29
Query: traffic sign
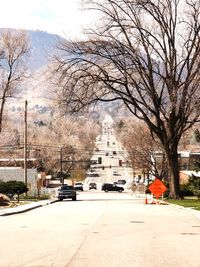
157	188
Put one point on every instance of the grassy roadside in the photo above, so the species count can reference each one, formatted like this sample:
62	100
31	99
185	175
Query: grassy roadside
23	200
187	203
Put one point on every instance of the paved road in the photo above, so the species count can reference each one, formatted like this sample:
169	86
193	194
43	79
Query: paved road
110	152
100	230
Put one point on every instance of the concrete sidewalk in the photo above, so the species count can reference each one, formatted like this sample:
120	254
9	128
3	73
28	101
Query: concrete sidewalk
26	207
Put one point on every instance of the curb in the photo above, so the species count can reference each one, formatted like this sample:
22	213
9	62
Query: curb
191	210
25	209
197	215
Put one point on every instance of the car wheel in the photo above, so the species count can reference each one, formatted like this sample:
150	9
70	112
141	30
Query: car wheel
60	199
74	198
106	190
120	191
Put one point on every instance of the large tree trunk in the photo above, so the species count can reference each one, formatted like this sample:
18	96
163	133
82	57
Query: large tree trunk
173	174
1	112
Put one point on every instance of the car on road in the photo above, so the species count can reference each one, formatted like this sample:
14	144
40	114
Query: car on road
78	186
92	186
91	170
66	191
115	173
111	187
92	175
120	182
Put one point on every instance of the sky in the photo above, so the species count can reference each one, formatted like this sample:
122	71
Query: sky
62	17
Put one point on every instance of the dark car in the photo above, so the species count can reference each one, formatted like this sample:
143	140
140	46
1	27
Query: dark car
66	191
112	187
92	186
78	186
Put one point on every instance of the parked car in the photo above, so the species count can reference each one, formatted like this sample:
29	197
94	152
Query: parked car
115	173
91	170
78	186
66	191
92	186
112	187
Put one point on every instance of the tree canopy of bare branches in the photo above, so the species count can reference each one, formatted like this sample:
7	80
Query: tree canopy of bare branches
145	53
142	149
13	51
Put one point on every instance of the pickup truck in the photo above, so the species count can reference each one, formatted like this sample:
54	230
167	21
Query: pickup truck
66	191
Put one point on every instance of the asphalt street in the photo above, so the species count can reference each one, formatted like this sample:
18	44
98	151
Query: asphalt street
101	229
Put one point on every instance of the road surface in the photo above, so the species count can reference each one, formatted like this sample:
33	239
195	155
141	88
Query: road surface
111	153
101	230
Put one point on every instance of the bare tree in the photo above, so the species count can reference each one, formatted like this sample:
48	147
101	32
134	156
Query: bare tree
144	152
74	137
13	50
145	53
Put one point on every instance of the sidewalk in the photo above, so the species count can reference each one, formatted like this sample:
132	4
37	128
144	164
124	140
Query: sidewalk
26	207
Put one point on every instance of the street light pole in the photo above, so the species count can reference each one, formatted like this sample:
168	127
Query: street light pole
25	143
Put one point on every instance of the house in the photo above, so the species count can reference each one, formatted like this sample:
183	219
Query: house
187	159
185	175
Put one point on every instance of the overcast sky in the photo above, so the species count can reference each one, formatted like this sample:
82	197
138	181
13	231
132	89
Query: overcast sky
63	17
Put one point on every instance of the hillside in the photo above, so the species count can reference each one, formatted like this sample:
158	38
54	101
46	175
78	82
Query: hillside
36	89
42	47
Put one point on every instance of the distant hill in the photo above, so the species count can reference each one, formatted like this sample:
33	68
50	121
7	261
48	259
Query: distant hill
36	92
42	47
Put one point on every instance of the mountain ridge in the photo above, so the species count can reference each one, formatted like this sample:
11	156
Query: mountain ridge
42	46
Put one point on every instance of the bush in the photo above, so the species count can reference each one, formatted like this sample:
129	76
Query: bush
3	188
12	188
185	190
194	185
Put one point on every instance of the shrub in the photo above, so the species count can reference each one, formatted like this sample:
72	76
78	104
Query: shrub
3	188
185	190
194	185
12	188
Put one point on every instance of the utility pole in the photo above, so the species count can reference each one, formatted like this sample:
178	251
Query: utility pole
73	161
25	143
61	161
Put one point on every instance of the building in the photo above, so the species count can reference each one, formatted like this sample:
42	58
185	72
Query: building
185	175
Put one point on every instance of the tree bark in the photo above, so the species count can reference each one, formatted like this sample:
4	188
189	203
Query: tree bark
173	174
1	113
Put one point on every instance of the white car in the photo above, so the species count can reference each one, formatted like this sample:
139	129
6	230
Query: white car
78	186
